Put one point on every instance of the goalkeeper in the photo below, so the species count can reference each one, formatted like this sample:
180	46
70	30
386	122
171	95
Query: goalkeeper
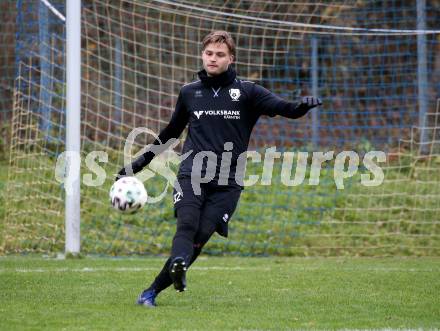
221	111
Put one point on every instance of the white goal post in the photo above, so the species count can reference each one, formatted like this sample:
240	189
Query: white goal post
73	125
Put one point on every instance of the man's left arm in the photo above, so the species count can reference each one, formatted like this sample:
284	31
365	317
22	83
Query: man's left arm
268	103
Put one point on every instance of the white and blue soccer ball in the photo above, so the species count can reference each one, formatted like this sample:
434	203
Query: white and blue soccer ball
128	195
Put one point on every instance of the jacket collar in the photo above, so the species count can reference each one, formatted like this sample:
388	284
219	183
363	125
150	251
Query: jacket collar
224	79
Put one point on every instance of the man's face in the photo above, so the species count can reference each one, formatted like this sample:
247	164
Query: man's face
216	58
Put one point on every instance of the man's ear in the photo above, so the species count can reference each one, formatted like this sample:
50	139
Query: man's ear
232	59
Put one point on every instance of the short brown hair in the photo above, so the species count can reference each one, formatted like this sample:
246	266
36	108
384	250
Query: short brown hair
219	36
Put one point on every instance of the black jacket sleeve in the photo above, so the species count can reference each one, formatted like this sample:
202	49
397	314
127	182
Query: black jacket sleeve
174	129
267	103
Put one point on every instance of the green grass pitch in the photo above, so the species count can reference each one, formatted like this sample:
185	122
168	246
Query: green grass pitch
224	293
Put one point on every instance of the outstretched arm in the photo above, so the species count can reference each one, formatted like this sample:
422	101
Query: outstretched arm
270	104
174	129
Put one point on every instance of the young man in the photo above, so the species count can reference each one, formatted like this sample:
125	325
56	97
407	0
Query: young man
221	111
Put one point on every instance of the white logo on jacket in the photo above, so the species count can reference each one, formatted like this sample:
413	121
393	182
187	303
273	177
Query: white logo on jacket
234	93
198	113
227	114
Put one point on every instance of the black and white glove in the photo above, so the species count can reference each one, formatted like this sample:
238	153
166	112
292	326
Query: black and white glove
120	174
309	102
132	169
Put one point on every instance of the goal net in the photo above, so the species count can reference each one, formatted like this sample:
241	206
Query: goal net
379	81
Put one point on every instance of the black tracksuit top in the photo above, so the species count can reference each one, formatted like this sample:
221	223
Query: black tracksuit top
219	109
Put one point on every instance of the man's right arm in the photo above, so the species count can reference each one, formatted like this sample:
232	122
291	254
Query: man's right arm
267	103
174	129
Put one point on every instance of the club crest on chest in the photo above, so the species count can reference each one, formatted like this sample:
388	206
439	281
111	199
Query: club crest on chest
234	93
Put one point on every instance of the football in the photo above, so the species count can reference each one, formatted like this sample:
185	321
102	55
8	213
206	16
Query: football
128	195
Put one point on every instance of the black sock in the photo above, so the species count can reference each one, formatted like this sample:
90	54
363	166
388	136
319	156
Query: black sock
163	280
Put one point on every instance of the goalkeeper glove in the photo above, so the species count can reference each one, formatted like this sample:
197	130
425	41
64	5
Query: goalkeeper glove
120	174
310	102
134	168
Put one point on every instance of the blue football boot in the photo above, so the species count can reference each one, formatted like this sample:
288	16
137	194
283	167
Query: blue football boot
147	298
